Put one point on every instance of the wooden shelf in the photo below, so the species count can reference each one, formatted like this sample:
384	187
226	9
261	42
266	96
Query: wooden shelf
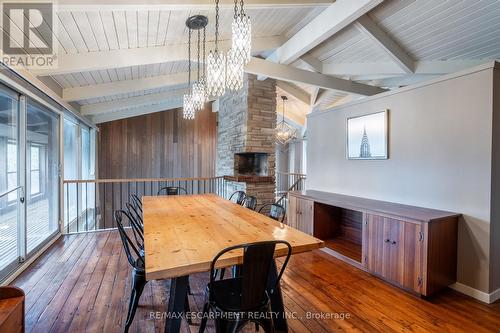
345	247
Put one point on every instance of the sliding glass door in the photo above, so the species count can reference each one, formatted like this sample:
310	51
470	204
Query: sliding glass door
29	178
42	161
10	189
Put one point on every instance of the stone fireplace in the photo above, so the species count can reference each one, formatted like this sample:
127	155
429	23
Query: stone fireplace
246	154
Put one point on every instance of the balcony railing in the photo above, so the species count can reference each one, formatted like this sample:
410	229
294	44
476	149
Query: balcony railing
289	181
286	182
89	204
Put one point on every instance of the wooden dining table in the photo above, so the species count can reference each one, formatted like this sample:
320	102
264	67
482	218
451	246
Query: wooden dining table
183	233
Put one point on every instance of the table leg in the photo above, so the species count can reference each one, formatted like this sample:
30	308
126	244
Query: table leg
176	302
277	305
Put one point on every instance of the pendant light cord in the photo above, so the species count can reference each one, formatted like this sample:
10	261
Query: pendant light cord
216	25
283	110
242	11
198	54
204	54
189	60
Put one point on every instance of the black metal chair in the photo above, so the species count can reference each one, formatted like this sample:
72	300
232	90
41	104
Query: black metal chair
276	212
237	300
239	196
136	261
137	202
137	226
250	202
172	190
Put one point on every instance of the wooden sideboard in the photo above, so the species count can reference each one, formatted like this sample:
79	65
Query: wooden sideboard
412	247
11	310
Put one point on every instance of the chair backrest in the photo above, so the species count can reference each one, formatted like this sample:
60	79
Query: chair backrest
257	260
133	255
172	190
239	196
135	213
137	202
136	224
276	211
250	202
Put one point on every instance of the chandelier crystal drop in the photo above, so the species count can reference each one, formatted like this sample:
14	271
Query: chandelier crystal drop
241	35
284	131
235	72
216	73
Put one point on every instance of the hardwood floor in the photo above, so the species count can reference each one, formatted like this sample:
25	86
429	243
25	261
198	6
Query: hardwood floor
82	284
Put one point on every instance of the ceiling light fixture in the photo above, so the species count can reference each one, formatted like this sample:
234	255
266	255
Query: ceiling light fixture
284	131
216	63
188	110
198	89
241	34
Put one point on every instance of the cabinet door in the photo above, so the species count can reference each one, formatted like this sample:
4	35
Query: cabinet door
305	219
300	214
394	251
292	211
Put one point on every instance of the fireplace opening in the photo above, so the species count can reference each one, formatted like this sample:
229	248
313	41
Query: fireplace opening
251	164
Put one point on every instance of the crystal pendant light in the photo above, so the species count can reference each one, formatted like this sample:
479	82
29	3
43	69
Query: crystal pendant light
188	106
196	98
188	111
234	71
284	131
198	91
198	95
216	64
203	80
241	34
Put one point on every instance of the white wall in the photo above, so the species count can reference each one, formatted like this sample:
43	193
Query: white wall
440	157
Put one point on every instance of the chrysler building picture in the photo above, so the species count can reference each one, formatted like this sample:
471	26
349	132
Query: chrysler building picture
367	136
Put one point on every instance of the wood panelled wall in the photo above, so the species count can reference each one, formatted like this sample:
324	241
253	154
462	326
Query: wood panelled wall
158	145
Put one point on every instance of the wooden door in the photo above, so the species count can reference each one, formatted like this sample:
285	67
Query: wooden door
394	251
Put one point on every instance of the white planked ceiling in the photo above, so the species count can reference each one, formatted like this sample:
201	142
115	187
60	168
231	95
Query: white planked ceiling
92	31
134	94
120	74
426	30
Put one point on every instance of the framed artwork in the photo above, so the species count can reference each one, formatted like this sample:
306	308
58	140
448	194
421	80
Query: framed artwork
367	136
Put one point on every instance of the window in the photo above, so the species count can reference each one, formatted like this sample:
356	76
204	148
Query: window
35	169
79	163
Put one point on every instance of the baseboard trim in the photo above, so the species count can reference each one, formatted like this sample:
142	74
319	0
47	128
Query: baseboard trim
477	294
495	296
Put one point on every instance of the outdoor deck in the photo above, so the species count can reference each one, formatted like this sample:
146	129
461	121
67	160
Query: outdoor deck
37	230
